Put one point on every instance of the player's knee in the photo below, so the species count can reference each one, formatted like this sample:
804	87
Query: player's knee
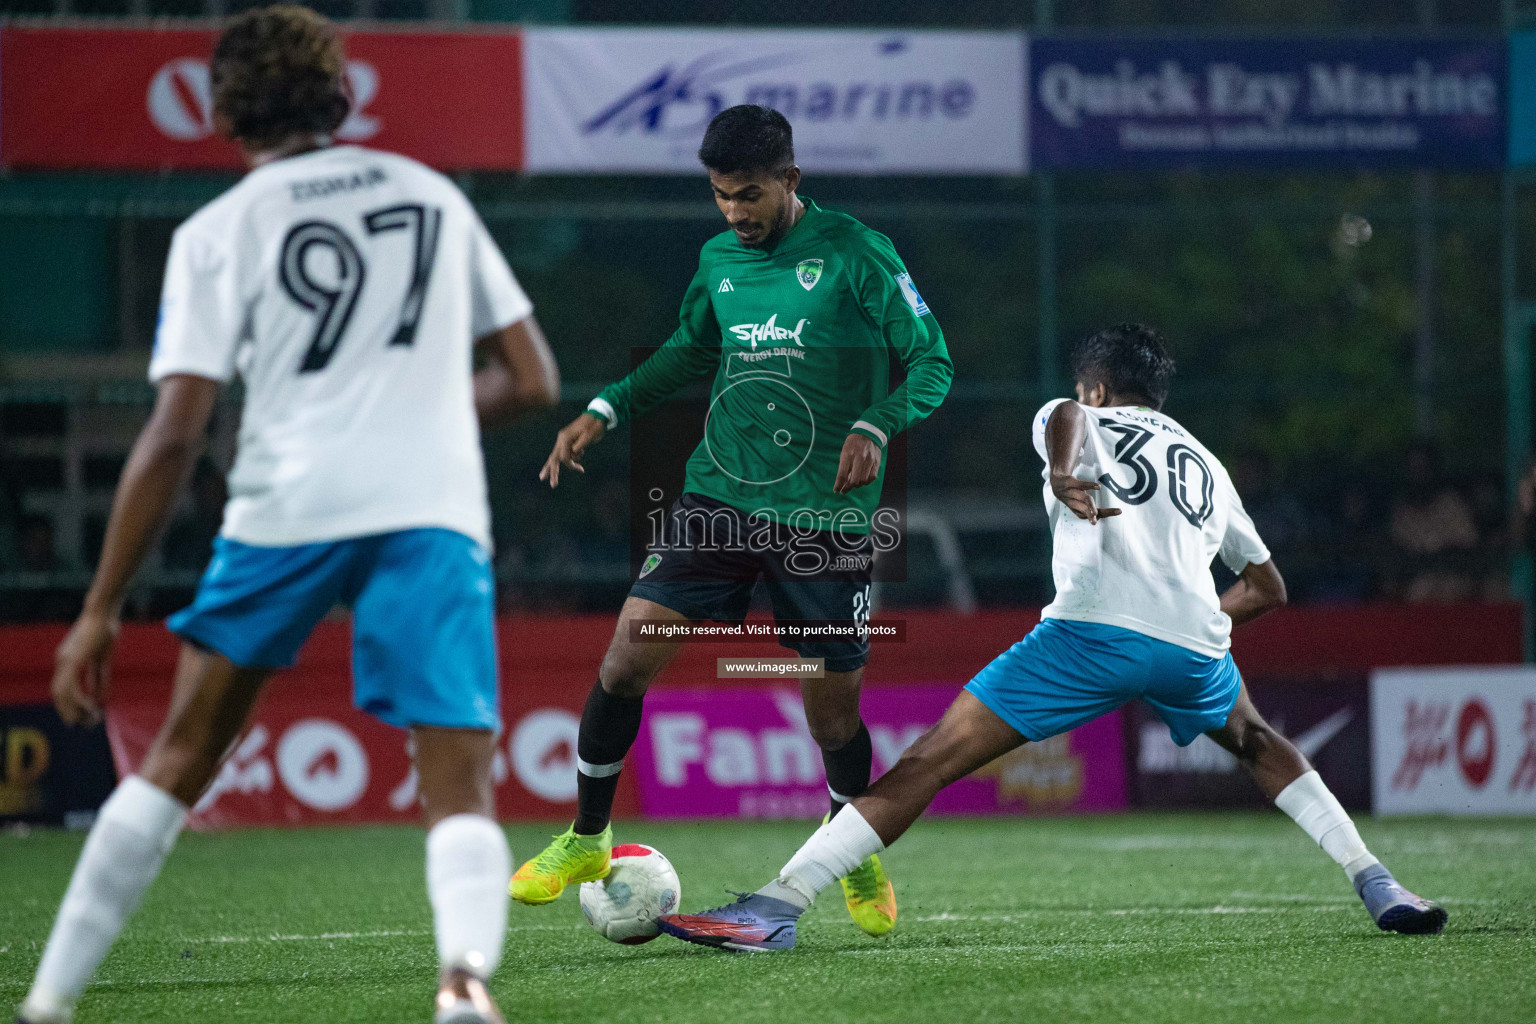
1253	738
624	674
834	733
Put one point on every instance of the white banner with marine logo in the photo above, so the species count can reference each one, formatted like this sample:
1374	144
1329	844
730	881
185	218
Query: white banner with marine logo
616	100
1454	740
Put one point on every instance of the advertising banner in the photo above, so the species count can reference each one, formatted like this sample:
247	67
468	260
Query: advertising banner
50	773
142	99
861	102
314	759
1454	740
1327	719
749	754
1126	103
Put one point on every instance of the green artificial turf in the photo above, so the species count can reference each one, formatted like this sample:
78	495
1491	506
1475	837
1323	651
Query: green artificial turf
1144	918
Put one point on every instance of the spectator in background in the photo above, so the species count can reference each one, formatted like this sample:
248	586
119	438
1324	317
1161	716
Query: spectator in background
35	547
37	552
1350	547
1277	515
1496	539
189	541
1434	534
10	512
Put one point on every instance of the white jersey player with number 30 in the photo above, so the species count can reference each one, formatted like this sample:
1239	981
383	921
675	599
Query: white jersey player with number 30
1150	569
1138	510
375	326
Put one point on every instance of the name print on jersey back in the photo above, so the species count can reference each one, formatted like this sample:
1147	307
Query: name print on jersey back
1148	569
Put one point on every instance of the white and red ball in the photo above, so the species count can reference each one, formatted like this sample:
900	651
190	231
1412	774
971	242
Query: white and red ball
641	886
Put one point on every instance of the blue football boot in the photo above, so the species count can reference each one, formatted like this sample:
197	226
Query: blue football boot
1395	909
752	924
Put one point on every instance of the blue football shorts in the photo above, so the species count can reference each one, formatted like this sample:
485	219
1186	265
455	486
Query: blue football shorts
423	618
1065	673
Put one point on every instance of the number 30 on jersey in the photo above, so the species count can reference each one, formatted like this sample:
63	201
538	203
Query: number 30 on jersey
1190	484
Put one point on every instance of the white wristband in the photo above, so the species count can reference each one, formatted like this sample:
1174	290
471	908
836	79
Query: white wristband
603	409
879	435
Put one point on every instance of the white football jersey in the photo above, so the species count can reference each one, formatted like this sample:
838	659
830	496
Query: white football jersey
346	287
1149	568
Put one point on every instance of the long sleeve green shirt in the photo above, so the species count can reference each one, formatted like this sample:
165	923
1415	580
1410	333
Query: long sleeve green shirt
799	341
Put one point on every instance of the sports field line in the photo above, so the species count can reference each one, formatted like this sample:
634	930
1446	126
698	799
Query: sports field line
1130	911
1415	846
387	933
383	933
1305	898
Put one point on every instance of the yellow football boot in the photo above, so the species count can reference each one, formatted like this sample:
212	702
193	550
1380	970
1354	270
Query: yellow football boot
569	860
870	896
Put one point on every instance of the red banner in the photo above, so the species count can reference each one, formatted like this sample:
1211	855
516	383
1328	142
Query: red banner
141	99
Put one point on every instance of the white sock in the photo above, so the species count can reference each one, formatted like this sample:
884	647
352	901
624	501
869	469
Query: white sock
1318	812
468	868
136	828
833	851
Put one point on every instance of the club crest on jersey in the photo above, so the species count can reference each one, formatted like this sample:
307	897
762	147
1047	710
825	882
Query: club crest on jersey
651	562
808	272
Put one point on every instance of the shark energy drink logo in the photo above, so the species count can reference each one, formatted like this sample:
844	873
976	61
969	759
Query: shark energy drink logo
771	331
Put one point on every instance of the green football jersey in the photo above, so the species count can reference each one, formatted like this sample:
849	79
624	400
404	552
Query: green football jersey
799	341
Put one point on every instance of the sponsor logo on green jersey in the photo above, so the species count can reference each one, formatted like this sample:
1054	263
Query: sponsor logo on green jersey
808	272
770	331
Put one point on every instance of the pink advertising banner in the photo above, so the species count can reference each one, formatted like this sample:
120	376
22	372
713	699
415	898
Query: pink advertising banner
711	753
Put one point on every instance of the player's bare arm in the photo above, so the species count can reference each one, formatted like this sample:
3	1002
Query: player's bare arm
570	444
519	374
160	462
859	464
1065	434
1259	589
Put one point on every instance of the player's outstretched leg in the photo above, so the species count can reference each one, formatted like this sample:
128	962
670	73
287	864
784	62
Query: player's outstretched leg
1296	788
610	722
968	736
832	712
468	866
137	827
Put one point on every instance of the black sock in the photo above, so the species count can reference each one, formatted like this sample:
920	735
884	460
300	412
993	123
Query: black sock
609	725
848	768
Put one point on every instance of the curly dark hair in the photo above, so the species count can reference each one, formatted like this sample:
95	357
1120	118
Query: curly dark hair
748	138
1130	360
277	72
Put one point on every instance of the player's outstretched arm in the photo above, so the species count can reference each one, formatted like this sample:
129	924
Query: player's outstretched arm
1259	588
577	436
1065	434
161	460
519	374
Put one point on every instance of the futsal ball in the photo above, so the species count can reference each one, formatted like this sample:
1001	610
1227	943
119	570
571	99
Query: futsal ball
641	886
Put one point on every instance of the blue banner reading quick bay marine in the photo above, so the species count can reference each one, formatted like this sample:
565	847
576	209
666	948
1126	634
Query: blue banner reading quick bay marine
1261	103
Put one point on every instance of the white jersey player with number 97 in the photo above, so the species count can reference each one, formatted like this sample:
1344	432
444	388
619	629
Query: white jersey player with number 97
350	290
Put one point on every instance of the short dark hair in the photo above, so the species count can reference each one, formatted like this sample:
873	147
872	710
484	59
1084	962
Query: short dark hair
277	72
1128	359
748	138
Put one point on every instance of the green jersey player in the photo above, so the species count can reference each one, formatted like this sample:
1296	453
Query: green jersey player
795	313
